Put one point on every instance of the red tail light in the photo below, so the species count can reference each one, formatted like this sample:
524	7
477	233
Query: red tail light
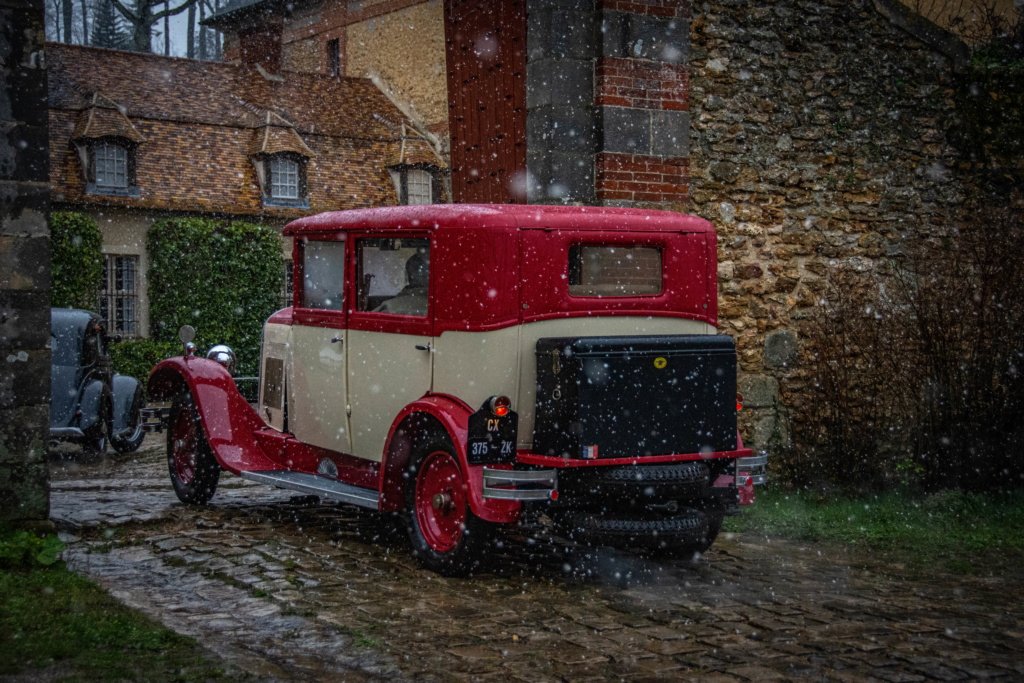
500	405
739	402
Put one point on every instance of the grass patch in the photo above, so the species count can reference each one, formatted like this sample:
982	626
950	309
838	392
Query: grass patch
51	617
952	526
360	636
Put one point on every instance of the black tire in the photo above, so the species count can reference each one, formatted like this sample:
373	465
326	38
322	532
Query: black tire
94	446
446	538
633	486
715	519
193	468
680	533
131	441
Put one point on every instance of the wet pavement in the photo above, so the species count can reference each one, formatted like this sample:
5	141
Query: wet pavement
288	590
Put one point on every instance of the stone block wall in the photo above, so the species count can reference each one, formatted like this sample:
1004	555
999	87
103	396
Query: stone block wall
24	264
819	138
607	99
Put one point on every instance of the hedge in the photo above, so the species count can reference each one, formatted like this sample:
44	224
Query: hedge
136	357
221	278
77	260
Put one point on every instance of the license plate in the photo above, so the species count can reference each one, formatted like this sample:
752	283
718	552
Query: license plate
491	439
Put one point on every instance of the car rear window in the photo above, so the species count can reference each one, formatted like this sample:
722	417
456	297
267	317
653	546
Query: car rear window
614	270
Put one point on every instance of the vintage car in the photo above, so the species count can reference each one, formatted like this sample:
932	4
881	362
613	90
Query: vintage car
89	404
464	365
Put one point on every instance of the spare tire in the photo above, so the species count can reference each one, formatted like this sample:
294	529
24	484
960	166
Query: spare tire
683	531
632	486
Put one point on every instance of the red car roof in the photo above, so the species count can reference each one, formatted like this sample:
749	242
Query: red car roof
431	216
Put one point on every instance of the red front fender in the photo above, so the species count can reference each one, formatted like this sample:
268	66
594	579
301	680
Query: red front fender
229	422
453	416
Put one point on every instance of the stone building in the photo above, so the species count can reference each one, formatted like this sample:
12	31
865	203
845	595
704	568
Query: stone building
812	133
138	137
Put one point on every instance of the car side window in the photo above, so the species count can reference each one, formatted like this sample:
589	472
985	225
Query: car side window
323	275
393	275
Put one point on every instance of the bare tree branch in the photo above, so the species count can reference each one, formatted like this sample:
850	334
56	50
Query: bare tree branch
128	14
176	10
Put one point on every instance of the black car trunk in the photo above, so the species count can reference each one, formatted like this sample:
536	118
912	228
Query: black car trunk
619	397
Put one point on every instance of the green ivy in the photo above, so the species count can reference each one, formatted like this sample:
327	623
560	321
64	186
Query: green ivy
221	278
77	260
23	549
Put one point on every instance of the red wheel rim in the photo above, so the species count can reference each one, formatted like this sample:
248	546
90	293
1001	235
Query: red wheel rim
183	446
440	501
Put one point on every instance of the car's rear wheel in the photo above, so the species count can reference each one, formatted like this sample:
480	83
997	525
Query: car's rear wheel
446	536
193	468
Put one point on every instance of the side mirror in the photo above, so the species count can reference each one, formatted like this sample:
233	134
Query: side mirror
186	334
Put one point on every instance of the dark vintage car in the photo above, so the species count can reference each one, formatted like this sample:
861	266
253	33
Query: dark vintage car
89	404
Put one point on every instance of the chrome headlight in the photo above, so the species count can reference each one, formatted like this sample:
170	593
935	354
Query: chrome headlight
223	355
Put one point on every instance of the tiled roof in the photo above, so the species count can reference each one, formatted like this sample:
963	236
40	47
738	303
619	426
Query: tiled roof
102	119
278	135
199	123
215	93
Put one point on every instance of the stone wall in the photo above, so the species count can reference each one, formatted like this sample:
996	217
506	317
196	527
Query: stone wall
24	265
819	137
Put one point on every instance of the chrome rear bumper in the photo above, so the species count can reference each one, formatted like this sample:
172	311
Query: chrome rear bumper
520	485
752	470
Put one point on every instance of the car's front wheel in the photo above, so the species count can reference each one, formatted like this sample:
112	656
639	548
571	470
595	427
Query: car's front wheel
131	437
193	468
94	447
446	536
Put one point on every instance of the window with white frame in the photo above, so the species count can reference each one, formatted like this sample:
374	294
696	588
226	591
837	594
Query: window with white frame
419	184
284	178
111	160
119	295
416	184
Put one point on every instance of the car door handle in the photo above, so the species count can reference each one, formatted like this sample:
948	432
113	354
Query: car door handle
336	340
423	347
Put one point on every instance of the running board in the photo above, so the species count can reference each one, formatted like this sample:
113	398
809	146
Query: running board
317	486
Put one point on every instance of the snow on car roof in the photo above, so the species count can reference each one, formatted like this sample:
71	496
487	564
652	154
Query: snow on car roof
429	216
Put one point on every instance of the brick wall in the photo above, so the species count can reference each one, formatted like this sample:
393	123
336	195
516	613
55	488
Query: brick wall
641	178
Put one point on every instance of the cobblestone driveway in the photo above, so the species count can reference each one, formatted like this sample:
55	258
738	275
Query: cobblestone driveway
288	590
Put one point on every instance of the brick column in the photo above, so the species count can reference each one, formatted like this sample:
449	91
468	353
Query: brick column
24	264
642	97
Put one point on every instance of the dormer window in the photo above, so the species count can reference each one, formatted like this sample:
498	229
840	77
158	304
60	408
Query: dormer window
417	184
285	183
107	143
281	159
111	165
284	177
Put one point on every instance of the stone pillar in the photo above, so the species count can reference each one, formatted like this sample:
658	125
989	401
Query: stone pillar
24	264
561	134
